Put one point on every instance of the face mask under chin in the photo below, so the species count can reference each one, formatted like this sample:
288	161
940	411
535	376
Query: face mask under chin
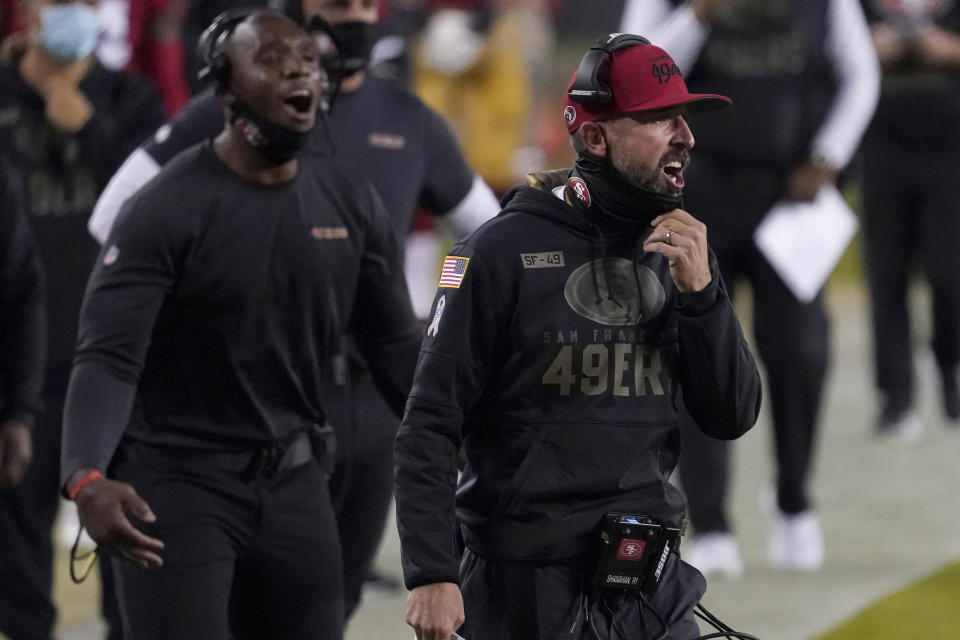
614	196
271	140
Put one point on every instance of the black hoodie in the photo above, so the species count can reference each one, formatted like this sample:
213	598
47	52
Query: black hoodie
562	390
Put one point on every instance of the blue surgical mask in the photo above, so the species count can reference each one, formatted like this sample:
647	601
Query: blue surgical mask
70	30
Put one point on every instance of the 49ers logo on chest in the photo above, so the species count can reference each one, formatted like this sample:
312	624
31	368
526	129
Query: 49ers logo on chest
579	188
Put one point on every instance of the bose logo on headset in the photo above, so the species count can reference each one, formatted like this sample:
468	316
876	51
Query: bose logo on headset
590	86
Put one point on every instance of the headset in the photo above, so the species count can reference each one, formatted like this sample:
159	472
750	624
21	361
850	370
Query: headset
590	86
216	64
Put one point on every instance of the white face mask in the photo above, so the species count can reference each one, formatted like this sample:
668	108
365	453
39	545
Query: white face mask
70	31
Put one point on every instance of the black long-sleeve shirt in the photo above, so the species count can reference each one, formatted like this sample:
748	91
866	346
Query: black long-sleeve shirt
220	301
23	312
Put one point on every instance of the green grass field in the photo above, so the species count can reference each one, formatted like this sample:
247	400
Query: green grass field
926	610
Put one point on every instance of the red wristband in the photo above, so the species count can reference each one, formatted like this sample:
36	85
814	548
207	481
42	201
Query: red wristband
84	481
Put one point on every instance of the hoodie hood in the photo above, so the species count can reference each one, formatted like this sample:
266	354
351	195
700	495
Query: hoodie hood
537	197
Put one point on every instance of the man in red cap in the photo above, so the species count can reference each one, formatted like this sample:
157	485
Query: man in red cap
562	335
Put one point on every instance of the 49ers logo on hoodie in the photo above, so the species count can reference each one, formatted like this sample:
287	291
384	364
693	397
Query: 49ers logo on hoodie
579	188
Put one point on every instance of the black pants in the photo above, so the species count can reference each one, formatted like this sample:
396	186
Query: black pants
911	215
362	485
791	339
243	559
27	515
512	601
109	607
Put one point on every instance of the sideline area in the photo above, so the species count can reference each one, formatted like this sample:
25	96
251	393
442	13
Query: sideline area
888	509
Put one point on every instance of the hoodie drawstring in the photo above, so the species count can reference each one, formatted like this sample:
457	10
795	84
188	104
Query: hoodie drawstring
602	241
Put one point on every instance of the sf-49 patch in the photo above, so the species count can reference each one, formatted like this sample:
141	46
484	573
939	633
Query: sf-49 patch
542	260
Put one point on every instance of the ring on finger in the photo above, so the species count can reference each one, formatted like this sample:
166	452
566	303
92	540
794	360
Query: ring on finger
668	236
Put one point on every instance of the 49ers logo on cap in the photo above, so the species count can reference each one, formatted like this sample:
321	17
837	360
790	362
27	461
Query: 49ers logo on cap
579	188
630	549
665	70
569	114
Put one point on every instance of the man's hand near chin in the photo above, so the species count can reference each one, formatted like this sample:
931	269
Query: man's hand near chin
435	610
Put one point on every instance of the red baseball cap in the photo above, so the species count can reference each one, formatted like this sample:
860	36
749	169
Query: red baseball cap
641	78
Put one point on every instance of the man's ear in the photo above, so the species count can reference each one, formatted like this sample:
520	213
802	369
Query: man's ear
594	140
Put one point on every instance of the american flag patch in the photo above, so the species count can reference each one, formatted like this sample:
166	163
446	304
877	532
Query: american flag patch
454	268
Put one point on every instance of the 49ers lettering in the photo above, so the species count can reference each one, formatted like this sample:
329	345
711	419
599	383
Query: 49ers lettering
622	369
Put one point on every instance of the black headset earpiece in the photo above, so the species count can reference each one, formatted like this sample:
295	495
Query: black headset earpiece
590	84
216	65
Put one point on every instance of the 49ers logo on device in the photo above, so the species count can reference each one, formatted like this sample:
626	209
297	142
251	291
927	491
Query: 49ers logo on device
579	188
630	549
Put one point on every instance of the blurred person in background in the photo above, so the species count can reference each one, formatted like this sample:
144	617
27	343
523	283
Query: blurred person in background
911	205
805	80
26	612
479	64
141	36
469	66
66	123
381	132
144	36
398	23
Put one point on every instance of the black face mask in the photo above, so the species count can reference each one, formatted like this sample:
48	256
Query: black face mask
617	202
356	39
271	140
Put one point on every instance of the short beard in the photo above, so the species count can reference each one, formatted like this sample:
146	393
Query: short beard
643	177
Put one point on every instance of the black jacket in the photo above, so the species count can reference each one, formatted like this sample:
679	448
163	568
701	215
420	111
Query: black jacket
560	377
23	312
